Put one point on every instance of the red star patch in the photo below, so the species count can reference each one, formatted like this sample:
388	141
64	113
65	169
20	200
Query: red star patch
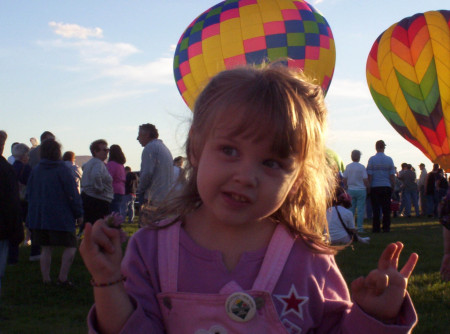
292	302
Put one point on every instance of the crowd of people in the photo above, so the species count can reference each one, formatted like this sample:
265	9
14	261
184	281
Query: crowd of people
56	196
379	190
242	247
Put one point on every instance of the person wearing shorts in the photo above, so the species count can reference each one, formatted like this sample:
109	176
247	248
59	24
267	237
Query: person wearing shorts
54	205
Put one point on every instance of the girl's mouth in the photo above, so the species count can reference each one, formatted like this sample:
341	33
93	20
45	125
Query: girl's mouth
238	198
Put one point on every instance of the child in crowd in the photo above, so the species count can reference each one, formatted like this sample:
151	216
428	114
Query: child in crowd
243	251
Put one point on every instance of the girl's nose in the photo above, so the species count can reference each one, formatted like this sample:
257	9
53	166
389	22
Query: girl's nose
246	173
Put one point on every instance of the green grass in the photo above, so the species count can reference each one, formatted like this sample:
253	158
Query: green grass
430	295
27	306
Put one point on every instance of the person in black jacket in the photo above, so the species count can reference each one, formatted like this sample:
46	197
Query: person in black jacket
11	228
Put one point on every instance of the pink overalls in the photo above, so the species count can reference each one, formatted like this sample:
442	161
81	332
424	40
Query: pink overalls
232	310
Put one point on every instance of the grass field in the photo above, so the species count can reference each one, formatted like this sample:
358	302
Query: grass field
29	307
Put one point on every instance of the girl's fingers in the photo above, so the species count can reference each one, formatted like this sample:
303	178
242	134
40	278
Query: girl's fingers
105	243
409	266
110	232
87	232
377	281
101	235
86	243
390	256
386	257
396	255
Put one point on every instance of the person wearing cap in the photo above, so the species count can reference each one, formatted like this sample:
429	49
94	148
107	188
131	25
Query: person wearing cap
421	186
381	173
357	182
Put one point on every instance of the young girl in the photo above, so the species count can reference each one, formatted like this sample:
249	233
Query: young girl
243	251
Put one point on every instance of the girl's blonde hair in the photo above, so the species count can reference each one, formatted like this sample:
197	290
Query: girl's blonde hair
267	100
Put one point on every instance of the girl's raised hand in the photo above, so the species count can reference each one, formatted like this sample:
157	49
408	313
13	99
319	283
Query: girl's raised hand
102	251
382	292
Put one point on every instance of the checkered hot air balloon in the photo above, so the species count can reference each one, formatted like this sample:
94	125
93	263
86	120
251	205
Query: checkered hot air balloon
238	32
408	73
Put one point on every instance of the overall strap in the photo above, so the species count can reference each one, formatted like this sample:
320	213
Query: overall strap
275	259
168	251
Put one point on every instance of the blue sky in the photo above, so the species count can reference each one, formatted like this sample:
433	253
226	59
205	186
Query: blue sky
98	69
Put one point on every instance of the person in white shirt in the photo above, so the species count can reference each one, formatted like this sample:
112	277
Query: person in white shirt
156	176
356	182
421	185
96	185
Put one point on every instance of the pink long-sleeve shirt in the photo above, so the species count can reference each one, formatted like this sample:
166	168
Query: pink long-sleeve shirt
118	175
328	308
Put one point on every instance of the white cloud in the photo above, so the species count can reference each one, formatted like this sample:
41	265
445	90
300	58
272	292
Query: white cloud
105	59
68	30
95	52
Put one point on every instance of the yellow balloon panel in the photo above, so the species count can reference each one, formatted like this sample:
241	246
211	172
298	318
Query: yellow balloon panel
242	32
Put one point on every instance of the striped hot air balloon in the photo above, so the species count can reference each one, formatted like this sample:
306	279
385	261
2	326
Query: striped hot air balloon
239	32
408	73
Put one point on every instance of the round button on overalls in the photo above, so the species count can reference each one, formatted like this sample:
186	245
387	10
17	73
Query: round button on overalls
240	307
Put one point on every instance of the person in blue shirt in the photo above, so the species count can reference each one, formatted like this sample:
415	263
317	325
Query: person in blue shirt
381	173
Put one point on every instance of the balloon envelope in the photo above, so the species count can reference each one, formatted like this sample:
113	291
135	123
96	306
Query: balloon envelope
239	32
408	73
336	160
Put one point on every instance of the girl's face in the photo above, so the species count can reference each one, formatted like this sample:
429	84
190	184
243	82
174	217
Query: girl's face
240	179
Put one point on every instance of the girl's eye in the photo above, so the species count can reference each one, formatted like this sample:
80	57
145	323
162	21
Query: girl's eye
230	151
272	164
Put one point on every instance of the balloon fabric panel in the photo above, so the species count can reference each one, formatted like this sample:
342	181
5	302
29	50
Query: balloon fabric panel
383	102
389	79
239	32
408	73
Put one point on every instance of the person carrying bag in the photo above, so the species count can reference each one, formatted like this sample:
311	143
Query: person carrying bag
341	222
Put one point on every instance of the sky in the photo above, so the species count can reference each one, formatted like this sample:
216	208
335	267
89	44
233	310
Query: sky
94	69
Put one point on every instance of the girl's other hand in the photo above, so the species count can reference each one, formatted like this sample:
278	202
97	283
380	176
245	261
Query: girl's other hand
101	251
382	292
